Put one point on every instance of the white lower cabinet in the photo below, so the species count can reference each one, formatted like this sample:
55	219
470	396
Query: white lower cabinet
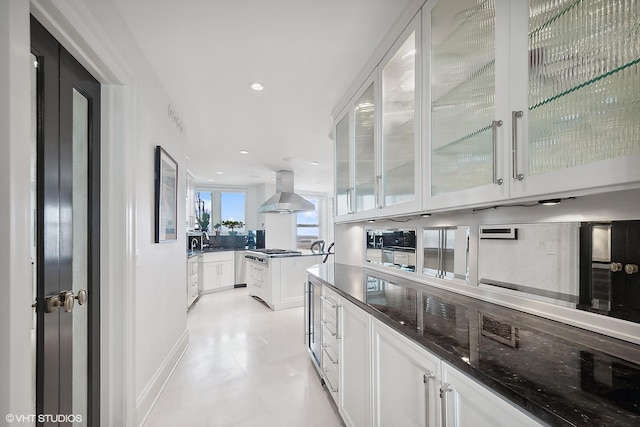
193	280
355	367
378	377
218	270
465	402
406	381
331	342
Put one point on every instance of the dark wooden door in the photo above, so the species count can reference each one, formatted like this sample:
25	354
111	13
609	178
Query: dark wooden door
67	127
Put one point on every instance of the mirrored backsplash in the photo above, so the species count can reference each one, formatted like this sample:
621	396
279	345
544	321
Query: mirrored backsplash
591	266
446	252
588	265
393	248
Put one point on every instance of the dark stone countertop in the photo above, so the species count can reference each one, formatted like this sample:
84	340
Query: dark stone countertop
559	373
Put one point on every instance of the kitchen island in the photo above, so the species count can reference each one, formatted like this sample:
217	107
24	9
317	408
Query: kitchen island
277	278
558	374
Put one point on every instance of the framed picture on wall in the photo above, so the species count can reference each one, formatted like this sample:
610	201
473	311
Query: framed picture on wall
166	197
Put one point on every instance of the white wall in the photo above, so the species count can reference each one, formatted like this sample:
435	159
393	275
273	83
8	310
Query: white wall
143	283
160	269
16	377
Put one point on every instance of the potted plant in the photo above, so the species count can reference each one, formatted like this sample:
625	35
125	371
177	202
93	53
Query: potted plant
216	227
231	224
203	221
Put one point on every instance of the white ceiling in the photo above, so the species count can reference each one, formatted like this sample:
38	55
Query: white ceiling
306	53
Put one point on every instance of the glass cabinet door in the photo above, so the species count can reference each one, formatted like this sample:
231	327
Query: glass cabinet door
463	93
584	87
399	124
342	161
364	153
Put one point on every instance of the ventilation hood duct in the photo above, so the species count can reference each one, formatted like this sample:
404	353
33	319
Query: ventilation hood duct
285	200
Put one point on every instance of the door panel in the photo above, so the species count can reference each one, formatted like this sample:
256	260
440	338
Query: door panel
68	224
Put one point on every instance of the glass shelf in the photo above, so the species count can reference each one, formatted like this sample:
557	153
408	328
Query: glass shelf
584	96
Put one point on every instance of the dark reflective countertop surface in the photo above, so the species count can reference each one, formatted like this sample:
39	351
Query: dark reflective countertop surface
561	374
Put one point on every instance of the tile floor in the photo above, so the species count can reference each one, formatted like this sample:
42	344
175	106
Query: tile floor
246	366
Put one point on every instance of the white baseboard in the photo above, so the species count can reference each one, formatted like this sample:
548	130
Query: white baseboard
152	391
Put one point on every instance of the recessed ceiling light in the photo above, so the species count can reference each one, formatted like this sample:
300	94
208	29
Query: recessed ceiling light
219	172
210	180
256	86
273	179
314	163
244	152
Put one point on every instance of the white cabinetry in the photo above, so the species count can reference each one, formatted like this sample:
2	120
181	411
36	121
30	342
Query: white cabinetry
405	381
355	365
217	271
378	377
466	403
193	280
258	279
378	138
330	342
512	116
279	282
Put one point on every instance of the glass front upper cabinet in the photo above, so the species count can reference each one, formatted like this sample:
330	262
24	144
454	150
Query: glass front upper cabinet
342	165
531	98
400	114
463	96
365	151
583	79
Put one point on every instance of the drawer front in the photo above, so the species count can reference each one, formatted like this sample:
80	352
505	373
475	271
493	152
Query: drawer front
330	329
330	370
329	309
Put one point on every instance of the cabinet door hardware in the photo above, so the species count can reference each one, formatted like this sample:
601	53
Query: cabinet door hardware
494	140
426	379
515	115
443	402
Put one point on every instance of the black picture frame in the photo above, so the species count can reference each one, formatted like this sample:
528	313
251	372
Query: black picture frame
166	197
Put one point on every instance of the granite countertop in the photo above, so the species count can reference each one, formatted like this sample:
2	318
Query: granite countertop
561	374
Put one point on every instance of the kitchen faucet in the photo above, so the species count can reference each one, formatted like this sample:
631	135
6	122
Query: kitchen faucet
380	242
205	235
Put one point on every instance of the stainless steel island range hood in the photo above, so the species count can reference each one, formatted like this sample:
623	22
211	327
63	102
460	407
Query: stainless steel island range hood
285	200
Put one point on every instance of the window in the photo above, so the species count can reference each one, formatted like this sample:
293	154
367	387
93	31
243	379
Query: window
218	206
308	225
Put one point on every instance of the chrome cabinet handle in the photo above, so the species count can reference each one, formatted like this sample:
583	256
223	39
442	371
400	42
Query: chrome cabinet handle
307	314
333	362
426	378
515	115
350	193
325	323
338	321
443	402
326	380
631	268
494	139
379	191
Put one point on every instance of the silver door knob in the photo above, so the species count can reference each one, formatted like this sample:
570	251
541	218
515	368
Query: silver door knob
82	296
51	303
67	300
631	268
615	266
